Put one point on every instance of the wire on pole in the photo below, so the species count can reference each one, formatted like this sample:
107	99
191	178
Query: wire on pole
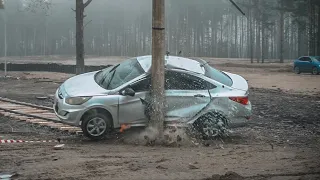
233	3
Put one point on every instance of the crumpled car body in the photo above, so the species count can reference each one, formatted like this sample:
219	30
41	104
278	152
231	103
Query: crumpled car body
192	89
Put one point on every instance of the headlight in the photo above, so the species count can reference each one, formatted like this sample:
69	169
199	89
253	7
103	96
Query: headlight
77	100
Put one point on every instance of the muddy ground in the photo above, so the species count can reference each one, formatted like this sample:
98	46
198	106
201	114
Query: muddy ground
281	141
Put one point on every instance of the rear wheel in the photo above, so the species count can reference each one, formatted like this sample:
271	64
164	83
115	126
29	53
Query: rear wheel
297	70
211	125
96	126
315	71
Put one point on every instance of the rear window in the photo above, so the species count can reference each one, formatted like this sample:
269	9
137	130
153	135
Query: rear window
217	75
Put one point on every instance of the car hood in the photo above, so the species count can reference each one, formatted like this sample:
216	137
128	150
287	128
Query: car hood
83	85
239	82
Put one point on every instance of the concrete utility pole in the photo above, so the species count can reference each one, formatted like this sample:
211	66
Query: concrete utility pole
157	74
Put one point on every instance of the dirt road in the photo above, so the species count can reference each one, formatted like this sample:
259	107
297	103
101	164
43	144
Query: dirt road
281	142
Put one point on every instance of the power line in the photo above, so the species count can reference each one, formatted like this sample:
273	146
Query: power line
233	3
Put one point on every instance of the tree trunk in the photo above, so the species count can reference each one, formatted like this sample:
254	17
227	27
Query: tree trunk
157	69
311	29
263	43
235	36
221	38
250	40
79	37
5	41
281	32
258	41
318	38
80	6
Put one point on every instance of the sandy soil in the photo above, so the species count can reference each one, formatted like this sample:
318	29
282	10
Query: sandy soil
281	142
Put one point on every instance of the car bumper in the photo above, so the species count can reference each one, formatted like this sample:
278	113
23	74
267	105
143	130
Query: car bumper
67	113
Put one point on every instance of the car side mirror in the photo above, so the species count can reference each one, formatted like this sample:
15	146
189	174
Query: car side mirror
128	92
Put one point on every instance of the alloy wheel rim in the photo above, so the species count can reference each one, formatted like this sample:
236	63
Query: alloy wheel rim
296	70
211	132
96	126
315	71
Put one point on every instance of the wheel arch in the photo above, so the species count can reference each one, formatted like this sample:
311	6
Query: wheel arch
315	67
217	120
210	111
96	110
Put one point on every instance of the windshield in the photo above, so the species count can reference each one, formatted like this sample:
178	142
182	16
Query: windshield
217	75
316	58
99	77
119	75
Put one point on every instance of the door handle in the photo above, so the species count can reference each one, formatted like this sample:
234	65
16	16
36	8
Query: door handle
199	95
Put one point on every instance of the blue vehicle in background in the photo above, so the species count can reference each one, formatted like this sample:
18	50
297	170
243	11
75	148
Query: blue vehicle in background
307	64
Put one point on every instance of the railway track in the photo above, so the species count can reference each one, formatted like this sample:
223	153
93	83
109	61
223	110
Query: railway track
35	114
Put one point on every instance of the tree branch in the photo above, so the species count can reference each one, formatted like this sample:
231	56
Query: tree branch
87	3
73	9
87	24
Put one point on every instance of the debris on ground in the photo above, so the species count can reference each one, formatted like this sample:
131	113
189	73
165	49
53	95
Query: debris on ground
134	167
58	147
228	176
42	97
7	176
43	81
192	166
161	167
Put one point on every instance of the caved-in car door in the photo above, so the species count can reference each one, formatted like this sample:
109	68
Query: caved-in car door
308	64
131	109
186	94
300	64
303	64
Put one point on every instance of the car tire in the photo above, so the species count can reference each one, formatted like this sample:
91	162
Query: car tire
315	71
211	125
297	70
96	126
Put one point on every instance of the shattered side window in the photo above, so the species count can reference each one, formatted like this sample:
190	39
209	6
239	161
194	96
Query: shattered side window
183	81
142	86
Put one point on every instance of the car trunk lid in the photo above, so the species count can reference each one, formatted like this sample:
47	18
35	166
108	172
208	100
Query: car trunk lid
239	82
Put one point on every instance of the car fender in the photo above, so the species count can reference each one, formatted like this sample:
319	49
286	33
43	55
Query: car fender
217	105
225	107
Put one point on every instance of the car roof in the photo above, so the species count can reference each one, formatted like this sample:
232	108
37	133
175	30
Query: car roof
173	62
307	56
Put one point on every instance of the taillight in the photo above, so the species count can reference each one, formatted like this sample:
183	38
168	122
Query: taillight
241	100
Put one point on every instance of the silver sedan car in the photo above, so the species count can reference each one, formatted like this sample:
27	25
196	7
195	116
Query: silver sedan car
197	95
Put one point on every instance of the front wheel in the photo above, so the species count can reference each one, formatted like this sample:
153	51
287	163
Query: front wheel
96	126
315	71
